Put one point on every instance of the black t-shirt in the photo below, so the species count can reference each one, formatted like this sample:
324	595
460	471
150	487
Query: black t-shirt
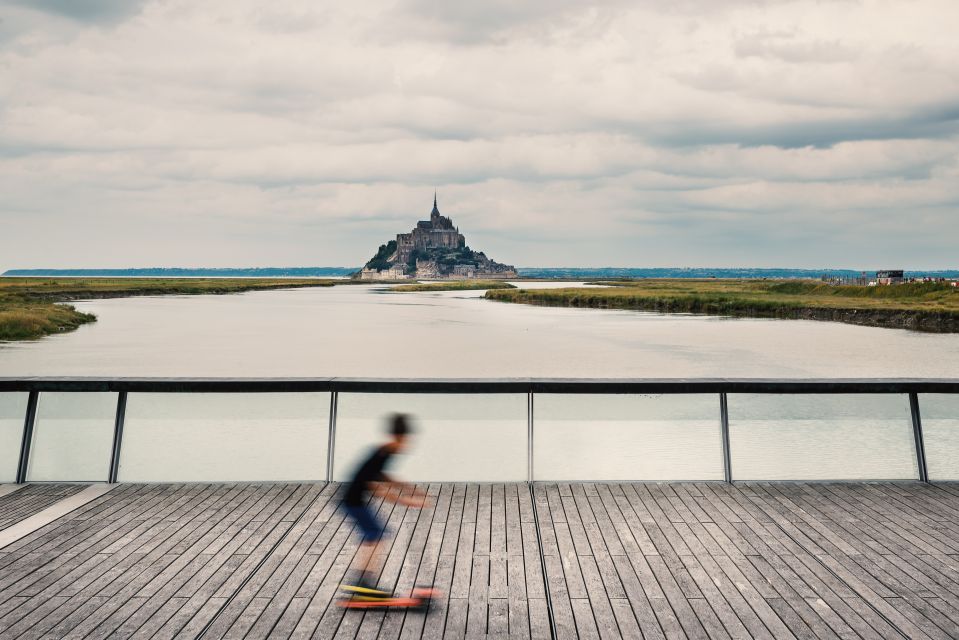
370	471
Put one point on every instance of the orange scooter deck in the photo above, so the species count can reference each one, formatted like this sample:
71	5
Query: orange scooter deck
419	599
397	603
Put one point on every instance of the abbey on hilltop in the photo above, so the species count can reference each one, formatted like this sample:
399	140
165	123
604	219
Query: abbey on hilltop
434	249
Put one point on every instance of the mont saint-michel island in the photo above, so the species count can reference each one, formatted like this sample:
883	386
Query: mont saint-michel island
434	250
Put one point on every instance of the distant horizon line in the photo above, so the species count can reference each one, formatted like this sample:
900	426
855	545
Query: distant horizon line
341	270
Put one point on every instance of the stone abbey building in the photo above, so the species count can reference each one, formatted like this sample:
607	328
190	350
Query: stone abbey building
435	248
437	232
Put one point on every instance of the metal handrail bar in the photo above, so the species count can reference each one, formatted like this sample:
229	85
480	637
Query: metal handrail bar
485	385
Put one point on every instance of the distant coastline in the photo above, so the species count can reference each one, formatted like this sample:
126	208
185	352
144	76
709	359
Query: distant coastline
699	273
561	273
187	272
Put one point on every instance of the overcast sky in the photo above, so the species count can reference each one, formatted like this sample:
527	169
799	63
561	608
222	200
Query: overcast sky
812	133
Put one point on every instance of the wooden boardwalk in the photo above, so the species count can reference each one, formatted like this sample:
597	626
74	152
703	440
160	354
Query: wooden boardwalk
26	501
688	560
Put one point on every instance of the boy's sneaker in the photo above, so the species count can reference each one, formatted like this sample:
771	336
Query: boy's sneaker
361	588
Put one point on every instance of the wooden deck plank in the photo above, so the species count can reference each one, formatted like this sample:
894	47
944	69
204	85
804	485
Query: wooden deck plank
891	505
555	574
276	581
78	570
224	561
156	595
23	565
94	562
51	588
811	598
870	605
905	594
477	616
132	583
211	557
434	626
31	499
192	557
630	564
422	571
780	593
903	576
758	570
622	560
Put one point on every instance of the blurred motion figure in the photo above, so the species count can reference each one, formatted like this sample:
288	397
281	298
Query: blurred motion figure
370	478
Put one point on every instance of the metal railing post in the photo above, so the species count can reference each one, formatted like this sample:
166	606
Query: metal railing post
724	428
117	436
331	442
529	436
28	423
917	433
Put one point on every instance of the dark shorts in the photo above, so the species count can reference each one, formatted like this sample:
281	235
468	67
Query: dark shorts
366	520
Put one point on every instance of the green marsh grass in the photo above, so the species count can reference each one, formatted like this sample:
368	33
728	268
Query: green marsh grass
931	304
31	308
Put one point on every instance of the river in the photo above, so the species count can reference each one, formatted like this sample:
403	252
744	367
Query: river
366	330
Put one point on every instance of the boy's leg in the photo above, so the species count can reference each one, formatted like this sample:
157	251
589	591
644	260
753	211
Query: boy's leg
365	570
363	564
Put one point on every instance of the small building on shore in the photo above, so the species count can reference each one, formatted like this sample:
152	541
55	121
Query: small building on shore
890	276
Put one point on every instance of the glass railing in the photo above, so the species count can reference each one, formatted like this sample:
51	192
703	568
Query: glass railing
229	430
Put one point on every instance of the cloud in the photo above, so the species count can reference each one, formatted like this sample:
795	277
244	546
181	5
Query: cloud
926	122
629	133
789	47
85	10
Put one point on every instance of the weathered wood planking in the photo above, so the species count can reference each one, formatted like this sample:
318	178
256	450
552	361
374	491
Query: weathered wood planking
645	560
31	499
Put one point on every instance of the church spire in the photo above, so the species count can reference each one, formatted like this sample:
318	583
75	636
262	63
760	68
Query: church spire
435	211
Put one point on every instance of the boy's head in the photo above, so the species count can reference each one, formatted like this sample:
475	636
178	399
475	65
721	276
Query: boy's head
399	429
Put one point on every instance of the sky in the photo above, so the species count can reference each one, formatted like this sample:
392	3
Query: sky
757	133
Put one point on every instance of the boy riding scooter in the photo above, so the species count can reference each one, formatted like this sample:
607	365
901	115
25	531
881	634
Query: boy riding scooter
371	478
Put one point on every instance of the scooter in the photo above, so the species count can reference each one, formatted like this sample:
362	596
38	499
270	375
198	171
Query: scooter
362	598
420	598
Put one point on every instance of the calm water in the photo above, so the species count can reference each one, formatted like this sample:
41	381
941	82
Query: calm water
369	331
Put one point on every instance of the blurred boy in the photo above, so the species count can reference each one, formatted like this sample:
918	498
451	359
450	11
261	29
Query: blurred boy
370	478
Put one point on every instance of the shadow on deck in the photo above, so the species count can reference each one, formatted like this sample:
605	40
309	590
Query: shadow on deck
694	560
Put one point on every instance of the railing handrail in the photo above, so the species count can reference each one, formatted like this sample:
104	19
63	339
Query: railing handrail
722	387
481	385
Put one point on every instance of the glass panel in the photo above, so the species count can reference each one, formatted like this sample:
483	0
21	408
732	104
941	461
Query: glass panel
225	437
821	437
940	434
458	438
627	437
13	410
73	437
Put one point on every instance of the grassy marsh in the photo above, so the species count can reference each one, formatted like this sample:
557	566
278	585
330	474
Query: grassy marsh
31	308
920	306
